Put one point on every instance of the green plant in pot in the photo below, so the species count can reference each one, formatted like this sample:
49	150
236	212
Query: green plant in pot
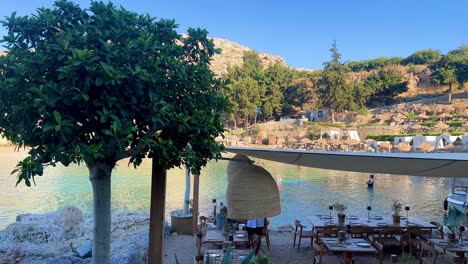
340	208
396	208
452	234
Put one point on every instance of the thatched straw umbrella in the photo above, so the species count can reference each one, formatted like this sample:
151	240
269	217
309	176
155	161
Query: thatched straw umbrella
335	142
416	126
441	125
403	147
352	142
425	147
453	148
444	116
306	141
385	146
292	140
321	141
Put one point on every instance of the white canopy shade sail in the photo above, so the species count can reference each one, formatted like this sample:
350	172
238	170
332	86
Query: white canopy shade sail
452	165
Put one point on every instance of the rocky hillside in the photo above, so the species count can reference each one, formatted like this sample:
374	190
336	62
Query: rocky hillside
231	54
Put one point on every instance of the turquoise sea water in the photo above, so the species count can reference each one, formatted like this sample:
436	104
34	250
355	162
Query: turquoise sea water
304	191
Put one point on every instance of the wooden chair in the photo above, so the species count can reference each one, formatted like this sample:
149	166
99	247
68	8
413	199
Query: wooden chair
388	237
430	255
377	257
416	236
440	228
299	231
361	232
329	231
320	255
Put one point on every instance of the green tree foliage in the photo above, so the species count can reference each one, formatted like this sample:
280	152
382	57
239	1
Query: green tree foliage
333	88
103	84
461	64
373	64
445	72
298	94
423	57
277	79
251	85
383	86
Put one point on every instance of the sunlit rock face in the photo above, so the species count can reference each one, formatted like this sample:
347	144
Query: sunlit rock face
231	55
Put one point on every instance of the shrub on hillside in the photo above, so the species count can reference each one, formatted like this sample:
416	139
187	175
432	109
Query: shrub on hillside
428	124
455	123
411	116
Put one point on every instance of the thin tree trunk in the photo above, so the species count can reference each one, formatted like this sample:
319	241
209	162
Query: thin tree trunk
100	177
450	94
196	191
332	114
158	202
187	191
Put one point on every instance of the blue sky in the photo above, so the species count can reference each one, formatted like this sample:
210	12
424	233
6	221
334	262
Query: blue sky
302	31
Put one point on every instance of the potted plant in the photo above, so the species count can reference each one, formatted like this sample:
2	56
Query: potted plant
452	235
181	219
340	208
396	208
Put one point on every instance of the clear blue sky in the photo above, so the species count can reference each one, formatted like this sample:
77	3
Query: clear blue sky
302	31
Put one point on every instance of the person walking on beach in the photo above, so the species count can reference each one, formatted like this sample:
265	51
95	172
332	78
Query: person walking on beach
370	182
255	227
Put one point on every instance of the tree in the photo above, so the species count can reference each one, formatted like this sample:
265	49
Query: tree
384	85
445	72
333	88
423	57
100	85
245	87
298	94
461	64
277	79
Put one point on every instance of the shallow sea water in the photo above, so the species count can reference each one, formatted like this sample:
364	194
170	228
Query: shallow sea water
304	191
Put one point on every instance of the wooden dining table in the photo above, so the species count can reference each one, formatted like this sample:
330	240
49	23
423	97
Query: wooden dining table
458	248
217	255
375	221
350	247
215	236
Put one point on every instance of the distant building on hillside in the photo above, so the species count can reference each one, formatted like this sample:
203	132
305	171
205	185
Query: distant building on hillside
316	114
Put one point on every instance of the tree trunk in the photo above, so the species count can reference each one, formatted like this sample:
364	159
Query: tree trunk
196	191
100	177
450	94
158	202
332	114
187	191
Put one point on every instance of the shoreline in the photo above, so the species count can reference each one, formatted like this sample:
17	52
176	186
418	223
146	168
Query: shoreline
64	235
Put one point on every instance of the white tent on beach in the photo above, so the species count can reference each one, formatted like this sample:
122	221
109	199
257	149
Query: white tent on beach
406	140
330	134
431	140
352	134
445	140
